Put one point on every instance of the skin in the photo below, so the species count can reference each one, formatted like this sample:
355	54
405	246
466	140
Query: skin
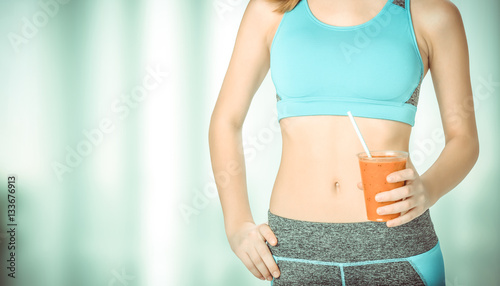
318	178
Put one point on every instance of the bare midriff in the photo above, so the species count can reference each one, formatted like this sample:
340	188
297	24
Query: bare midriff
319	171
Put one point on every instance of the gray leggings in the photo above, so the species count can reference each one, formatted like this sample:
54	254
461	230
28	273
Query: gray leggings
364	253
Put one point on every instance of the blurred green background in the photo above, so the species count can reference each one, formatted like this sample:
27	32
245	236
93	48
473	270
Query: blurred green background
104	121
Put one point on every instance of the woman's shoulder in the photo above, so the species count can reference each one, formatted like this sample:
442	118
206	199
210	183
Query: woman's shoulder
436	21
435	15
263	16
263	9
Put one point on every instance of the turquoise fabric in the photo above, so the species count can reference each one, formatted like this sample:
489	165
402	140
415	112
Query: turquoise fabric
373	69
429	265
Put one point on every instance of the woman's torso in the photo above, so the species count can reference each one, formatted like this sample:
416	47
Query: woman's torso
318	174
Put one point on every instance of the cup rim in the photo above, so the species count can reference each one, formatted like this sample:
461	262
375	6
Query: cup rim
395	154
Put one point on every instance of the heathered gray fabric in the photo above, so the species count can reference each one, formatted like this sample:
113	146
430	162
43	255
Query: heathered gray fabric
387	274
294	273
351	242
345	243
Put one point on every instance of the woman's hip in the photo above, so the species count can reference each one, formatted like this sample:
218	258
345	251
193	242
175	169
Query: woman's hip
364	253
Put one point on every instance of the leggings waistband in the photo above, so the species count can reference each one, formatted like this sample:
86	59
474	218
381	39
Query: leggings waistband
351	242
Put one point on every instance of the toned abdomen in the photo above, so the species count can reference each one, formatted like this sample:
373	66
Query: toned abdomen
319	171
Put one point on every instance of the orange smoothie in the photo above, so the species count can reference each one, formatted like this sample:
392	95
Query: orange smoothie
374	172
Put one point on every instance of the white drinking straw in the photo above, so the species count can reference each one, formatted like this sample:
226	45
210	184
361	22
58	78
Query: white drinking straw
359	134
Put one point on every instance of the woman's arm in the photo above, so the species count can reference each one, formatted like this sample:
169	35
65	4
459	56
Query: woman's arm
449	65
248	66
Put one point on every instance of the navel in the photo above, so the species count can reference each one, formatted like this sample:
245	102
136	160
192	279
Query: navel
337	186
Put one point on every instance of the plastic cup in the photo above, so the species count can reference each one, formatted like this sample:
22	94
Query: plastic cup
374	173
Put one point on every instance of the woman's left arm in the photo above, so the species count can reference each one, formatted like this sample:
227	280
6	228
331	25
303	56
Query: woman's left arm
449	65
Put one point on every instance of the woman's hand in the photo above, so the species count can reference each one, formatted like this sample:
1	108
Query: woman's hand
415	197
248	242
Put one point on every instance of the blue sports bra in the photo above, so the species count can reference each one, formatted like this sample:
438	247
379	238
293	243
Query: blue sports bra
373	69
